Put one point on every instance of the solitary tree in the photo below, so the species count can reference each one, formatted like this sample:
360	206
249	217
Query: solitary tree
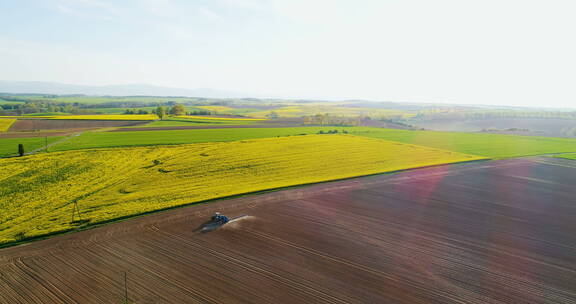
21	149
161	112
178	110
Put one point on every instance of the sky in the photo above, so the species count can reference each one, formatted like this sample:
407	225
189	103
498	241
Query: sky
502	52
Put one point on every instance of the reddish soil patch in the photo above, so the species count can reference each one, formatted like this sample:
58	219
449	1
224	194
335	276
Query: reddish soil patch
493	232
60	124
204	127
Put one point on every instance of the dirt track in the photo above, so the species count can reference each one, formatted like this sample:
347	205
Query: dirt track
37	134
495	232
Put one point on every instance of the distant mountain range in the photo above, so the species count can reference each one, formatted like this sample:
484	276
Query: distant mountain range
40	87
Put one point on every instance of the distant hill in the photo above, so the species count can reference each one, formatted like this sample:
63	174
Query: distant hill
39	87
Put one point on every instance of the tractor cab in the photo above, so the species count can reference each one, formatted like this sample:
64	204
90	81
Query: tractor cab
219	218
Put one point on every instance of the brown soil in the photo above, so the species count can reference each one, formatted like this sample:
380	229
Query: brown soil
204	127
492	232
60	124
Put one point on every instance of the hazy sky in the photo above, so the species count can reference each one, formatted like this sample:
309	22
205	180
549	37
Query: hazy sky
514	52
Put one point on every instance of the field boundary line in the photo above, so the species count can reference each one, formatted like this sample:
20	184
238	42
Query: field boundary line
53	143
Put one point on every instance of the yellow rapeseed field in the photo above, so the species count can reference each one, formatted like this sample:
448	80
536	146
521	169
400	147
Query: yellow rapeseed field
220	109
37	192
221	118
335	110
5	124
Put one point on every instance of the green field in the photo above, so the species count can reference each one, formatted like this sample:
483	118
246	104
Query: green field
7	102
489	145
9	146
140	138
567	156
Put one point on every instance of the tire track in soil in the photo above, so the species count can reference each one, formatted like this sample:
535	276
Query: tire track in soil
318	295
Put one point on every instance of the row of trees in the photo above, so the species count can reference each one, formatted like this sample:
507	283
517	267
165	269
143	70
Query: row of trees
19	105
201	112
176	110
74	108
134	111
179	110
41	107
327	119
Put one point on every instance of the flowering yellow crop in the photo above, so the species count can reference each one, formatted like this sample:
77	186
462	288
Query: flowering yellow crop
334	110
221	118
108	117
5	124
221	109
37	192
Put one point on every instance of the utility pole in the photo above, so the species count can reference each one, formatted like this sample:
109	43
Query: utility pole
46	142
74	210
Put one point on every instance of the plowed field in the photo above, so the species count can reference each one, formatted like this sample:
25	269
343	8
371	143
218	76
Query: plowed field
495	232
61	124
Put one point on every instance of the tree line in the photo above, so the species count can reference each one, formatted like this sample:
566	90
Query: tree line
42	107
359	120
177	110
31	107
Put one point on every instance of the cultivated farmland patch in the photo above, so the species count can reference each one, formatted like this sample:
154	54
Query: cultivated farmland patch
491	232
5	124
40	192
62	124
489	145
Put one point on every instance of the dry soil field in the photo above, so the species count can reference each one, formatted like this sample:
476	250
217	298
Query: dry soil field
492	232
60	124
268	125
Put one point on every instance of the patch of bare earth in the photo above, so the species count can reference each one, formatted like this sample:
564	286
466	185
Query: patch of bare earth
61	124
204	127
